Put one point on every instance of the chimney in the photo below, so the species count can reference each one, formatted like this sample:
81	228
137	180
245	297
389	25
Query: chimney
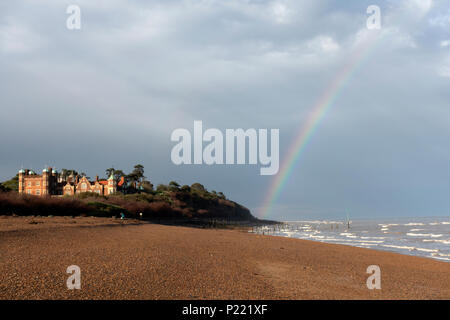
96	178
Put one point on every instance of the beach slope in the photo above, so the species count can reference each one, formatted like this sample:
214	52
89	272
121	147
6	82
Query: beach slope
149	261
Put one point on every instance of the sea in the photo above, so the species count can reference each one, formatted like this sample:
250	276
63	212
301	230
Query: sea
425	237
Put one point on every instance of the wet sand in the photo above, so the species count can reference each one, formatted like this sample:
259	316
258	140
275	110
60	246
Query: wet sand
134	260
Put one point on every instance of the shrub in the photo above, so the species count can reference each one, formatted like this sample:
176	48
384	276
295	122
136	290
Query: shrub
87	195
105	209
185	188
13	203
12	184
174	184
162	188
198	187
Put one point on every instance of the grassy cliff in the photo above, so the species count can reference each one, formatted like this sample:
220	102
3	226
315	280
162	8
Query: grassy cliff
167	202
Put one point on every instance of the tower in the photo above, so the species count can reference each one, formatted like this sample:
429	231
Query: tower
112	186
22	173
46	181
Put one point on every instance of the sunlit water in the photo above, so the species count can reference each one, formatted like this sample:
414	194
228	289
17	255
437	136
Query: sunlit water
426	237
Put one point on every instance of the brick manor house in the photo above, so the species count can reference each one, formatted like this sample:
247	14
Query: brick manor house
50	182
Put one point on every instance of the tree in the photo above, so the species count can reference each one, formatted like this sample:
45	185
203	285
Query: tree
83	174
72	172
11	184
137	175
132	177
118	174
185	188
147	186
138	172
109	171
174	184
198	187
68	172
161	188
64	174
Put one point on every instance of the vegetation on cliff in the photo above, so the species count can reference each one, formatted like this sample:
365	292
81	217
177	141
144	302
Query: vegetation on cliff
170	201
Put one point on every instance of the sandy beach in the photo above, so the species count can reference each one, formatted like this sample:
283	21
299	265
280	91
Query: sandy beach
135	260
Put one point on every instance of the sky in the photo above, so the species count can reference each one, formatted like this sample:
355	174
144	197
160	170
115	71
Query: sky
111	93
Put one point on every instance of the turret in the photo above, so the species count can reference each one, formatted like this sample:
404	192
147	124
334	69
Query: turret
112	186
46	180
22	174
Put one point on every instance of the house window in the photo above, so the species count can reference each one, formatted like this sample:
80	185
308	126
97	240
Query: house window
83	186
38	192
38	183
28	191
29	183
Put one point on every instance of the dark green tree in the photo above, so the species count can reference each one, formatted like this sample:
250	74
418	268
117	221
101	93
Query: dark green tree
198	187
138	172
133	178
185	188
161	188
109	171
174	184
11	184
64	174
136	177
147	186
68	172
72	172
118	174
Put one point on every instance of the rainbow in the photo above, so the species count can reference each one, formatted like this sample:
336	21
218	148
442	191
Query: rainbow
318	112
